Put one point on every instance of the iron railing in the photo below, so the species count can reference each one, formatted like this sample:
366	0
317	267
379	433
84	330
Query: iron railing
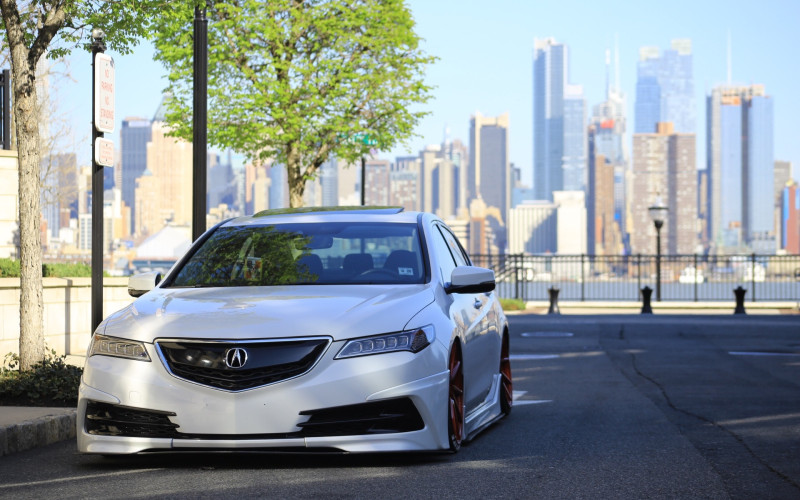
621	277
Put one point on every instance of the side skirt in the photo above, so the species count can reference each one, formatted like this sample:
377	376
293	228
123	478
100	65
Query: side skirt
487	413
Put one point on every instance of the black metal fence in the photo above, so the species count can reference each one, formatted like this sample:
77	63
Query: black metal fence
621	277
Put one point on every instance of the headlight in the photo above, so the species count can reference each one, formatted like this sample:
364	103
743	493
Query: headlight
410	340
118	348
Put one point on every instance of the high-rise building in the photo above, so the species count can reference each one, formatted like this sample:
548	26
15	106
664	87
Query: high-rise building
782	176
532	228
664	170
405	183
740	166
549	84
489	169
164	191
607	169
377	182
574	161
570	222
790	218
665	88
329	180
134	136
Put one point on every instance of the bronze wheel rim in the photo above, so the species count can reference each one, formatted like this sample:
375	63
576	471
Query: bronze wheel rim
506	382
456	399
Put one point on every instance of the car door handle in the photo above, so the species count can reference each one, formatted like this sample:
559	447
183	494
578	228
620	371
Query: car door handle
477	303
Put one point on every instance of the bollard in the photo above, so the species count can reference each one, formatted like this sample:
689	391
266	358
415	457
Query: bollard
646	293
553	291
739	292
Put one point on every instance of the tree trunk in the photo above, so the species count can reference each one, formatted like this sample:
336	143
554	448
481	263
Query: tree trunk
297	185
31	336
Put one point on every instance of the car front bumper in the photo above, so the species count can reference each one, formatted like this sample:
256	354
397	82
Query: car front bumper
268	417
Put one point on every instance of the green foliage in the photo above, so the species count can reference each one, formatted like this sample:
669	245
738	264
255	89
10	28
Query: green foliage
70	22
10	269
298	81
512	304
50	382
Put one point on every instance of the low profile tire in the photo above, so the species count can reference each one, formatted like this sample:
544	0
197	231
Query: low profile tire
506	381
455	407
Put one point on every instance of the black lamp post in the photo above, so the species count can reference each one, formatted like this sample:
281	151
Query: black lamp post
98	47
658	213
200	111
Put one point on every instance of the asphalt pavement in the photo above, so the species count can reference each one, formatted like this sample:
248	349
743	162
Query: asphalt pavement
607	406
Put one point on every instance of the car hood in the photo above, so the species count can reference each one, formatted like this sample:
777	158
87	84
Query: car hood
338	311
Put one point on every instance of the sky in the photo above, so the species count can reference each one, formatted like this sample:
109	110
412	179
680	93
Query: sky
485	51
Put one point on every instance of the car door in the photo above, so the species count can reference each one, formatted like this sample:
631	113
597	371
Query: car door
480	350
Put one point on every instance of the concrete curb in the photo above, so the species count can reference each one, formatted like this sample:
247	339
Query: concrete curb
40	431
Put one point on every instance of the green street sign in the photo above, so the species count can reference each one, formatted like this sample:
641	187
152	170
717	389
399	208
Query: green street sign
361	138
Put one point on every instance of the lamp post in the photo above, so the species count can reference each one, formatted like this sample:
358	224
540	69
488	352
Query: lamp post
658	213
98	47
200	112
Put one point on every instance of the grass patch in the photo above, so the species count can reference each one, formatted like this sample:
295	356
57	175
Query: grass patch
512	304
52	382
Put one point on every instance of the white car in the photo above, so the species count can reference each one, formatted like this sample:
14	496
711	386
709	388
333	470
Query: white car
351	329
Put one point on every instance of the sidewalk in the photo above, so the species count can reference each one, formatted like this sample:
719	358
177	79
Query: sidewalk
23	428
664	307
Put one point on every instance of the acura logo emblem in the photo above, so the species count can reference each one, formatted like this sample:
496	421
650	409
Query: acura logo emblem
235	357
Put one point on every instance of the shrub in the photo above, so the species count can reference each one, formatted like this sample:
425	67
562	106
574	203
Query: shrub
10	269
52	382
512	304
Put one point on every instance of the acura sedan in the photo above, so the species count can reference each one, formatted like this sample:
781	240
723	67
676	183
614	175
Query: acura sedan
350	329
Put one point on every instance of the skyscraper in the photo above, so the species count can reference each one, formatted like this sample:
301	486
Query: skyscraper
574	160
665	88
664	167
489	169
134	136
740	167
549	84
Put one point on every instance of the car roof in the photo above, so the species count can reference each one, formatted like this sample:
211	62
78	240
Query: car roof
327	214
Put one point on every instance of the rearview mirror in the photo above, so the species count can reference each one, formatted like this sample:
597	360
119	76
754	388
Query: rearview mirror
471	279
140	284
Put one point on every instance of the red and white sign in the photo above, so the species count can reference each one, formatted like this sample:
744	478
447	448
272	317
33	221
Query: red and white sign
104	93
104	152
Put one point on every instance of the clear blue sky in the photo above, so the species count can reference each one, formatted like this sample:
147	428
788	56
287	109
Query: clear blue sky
485	50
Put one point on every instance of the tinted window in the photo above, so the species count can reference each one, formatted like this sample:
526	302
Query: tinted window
290	254
455	248
443	256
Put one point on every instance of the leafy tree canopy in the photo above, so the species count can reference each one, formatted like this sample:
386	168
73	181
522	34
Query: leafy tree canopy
297	81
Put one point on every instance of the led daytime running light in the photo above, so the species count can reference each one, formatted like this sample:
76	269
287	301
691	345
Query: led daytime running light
118	348
411	340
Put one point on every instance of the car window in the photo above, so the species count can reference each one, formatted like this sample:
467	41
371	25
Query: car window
455	248
318	253
443	255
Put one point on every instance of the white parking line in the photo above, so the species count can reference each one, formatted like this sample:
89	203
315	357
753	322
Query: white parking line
756	353
518	402
547	334
77	478
529	357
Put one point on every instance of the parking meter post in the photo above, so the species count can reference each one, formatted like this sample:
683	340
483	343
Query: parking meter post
647	293
553	291
739	292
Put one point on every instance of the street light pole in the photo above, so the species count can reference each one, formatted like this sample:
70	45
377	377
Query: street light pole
98	47
658	213
363	180
200	112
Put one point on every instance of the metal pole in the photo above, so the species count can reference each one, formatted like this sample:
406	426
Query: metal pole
658	260
200	107
753	276
363	180
98	47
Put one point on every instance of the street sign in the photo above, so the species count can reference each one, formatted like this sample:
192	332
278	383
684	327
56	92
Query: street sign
104	152
360	138
104	93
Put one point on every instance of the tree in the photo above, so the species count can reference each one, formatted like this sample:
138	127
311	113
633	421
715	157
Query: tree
56	27
299	81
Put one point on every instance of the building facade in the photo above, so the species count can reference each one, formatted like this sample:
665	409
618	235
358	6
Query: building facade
665	88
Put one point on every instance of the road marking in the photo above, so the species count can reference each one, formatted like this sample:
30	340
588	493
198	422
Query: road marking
518	402
547	334
529	357
77	478
756	353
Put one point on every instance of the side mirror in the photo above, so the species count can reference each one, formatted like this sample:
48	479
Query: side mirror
140	284
471	279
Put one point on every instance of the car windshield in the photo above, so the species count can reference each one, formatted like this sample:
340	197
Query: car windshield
303	254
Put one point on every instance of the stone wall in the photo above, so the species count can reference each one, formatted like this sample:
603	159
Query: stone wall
67	311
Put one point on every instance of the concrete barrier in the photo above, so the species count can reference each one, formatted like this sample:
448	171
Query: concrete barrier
67	311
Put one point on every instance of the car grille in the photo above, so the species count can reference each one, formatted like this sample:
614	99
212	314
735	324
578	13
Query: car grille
103	419
267	362
379	417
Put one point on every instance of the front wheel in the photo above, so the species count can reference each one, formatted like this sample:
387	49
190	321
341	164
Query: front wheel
455	413
506	382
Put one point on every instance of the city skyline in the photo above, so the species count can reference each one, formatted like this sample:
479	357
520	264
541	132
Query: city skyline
492	74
